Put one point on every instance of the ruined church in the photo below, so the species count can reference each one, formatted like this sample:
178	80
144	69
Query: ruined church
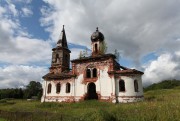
98	76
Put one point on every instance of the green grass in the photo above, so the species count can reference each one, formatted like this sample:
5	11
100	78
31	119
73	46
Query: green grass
1	119
159	105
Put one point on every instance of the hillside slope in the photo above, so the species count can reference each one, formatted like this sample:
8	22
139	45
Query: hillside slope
166	84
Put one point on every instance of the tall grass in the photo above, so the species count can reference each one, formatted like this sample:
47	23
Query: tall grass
159	105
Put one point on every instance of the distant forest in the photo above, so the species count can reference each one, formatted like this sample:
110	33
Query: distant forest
33	89
166	84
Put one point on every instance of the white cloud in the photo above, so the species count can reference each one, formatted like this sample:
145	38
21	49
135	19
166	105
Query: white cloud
167	66
13	9
2	10
23	50
136	27
27	11
16	76
17	46
19	50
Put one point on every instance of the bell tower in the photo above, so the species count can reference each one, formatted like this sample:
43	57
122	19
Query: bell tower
97	40
60	55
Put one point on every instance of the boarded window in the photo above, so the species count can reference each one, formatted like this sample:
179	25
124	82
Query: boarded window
68	88
135	86
58	88
121	86
88	73
49	88
94	72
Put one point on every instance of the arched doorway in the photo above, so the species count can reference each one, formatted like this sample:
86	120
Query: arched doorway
91	91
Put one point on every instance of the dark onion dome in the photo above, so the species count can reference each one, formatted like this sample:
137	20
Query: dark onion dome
97	35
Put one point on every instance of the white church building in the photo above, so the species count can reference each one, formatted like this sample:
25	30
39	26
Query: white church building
98	76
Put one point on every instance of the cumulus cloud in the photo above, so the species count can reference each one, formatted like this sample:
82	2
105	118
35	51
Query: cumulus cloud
15	76
167	66
24	50
17	46
135	27
27	11
2	10
19	51
13	9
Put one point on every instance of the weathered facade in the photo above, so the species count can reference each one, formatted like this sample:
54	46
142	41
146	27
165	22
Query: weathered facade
98	76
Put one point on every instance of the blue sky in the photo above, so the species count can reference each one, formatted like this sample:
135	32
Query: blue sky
32	23
146	33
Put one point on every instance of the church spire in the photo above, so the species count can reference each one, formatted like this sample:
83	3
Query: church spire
61	54
62	42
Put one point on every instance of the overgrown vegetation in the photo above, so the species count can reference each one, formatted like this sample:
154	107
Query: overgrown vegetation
103	47
161	105
166	84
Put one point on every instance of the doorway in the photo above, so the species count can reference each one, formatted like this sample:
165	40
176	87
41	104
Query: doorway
91	91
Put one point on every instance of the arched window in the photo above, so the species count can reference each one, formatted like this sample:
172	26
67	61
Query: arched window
121	86
135	86
49	88
96	48
94	72
88	73
58	88
57	58
68	88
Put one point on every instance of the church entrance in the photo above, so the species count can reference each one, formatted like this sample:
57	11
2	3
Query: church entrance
91	92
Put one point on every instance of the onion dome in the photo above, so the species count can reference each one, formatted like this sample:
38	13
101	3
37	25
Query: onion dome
97	36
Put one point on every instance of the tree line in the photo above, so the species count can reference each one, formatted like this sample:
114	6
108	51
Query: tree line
32	89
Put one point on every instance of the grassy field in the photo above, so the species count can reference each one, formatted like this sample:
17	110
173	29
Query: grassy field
159	105
1	119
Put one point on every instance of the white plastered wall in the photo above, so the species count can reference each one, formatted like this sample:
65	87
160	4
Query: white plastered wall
129	95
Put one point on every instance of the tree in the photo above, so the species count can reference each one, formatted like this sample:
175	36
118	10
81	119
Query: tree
116	53
33	89
103	47
83	53
11	93
80	55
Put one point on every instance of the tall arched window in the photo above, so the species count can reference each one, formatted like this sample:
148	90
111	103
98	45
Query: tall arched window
135	86
57	58
88	73
68	88
94	72
49	88
96	48
121	86
58	88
